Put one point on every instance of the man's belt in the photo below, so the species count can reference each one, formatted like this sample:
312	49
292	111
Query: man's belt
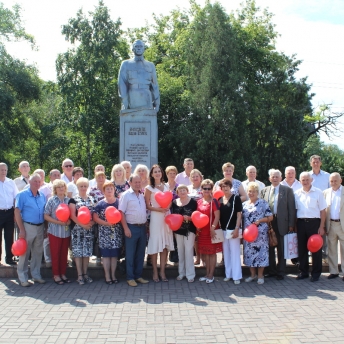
305	219
137	224
335	220
4	210
139	86
34	224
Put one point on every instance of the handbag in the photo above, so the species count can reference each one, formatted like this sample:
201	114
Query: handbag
219	232
272	237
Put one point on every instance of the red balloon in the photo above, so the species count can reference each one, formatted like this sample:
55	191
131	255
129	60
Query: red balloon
218	194
314	243
174	221
199	220
19	247
250	233
84	215
63	212
163	198
112	215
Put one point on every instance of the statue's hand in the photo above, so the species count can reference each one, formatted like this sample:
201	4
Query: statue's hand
125	103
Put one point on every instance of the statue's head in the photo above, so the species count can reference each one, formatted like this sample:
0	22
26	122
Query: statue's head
138	47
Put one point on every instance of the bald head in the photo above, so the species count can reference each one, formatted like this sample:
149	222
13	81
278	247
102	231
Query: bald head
335	181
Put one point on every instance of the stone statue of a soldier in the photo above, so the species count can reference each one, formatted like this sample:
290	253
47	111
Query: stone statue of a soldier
137	82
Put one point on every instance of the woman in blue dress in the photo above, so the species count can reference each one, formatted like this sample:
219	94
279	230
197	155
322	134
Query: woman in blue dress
110	235
256	254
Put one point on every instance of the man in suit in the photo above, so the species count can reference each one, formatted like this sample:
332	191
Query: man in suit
334	197
282	204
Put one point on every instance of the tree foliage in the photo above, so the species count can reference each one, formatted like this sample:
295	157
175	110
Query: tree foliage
87	77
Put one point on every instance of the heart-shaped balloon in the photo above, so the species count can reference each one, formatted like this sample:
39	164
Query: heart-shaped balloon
112	215
84	215
19	247
174	221
63	212
199	220
250	233
314	243
218	194
163	198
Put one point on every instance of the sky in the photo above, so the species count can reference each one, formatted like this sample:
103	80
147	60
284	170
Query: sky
313	30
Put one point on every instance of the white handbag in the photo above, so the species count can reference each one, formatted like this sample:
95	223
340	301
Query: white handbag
229	232
219	232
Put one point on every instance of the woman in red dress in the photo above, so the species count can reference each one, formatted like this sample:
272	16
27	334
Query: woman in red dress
210	207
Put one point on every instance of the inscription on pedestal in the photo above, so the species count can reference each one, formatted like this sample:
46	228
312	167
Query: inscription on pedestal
137	142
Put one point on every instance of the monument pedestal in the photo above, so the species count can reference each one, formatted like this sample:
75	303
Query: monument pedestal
138	137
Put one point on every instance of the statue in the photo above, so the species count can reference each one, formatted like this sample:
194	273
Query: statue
137	82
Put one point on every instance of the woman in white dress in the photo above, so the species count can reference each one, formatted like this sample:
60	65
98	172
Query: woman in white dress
160	235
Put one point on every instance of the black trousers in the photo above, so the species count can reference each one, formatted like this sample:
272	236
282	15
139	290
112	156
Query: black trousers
305	229
279	268
7	223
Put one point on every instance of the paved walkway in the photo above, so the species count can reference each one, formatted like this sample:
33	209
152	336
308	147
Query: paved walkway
286	311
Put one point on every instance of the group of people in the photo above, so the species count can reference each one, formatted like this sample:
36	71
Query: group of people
312	205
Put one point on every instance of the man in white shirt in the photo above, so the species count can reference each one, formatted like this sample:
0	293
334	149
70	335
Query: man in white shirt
251	173
23	180
93	182
320	177
335	223
8	193
184	177
67	168
290	179
310	212
133	209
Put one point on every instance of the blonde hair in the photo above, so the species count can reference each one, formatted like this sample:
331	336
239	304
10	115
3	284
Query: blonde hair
82	180
99	173
227	164
141	167
196	171
58	183
171	168
118	167
253	186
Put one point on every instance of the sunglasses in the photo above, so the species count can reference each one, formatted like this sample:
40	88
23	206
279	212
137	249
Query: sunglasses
68	166
206	189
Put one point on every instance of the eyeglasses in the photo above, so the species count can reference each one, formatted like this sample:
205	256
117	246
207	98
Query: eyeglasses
68	166
206	189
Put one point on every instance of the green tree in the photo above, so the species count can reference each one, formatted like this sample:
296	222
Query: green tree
87	77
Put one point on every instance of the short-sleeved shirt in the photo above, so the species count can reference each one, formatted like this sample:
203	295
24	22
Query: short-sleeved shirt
50	209
21	182
71	187
187	210
260	184
8	193
133	206
31	207
309	204
295	186
226	212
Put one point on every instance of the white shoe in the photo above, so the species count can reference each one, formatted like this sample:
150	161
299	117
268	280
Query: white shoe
260	281
250	279
202	279
237	282
226	279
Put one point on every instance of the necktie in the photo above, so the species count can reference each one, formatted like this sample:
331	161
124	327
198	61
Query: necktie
272	199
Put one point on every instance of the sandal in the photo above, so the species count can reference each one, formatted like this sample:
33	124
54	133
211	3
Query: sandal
81	280
87	278
65	280
209	280
108	282
164	279
191	280
115	281
179	278
156	280
59	282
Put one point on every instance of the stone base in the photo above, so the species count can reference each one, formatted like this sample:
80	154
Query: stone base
138	137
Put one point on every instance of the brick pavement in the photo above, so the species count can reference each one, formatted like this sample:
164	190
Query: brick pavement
286	311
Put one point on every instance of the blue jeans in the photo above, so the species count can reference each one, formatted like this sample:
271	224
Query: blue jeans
135	248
